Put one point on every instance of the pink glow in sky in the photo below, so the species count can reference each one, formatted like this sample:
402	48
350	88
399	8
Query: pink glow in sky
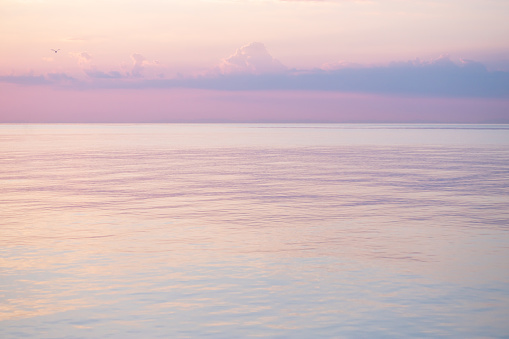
254	60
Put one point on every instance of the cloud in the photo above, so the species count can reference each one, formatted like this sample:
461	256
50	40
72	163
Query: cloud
473	66
33	80
24	79
143	68
436	78
440	77
251	59
96	74
252	68
85	62
60	78
84	59
138	61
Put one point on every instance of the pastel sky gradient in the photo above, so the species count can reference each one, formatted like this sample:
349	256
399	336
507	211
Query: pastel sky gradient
254	60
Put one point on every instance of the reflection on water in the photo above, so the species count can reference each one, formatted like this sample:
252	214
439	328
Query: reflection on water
281	231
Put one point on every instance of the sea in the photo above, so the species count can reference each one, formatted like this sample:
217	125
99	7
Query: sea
254	231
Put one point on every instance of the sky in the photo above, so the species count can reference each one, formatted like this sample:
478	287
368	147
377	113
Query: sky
254	61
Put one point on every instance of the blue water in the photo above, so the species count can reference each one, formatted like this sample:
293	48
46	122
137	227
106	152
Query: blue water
254	230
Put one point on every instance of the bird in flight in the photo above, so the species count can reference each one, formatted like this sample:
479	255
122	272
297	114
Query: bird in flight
55	50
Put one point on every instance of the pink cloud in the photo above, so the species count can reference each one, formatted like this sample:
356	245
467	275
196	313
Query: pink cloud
141	67
145	68
252	58
138	61
84	59
85	62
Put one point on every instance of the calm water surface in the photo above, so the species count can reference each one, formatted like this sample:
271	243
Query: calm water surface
235	231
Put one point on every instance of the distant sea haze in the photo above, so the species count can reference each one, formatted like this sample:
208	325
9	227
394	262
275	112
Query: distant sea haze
46	105
254	230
